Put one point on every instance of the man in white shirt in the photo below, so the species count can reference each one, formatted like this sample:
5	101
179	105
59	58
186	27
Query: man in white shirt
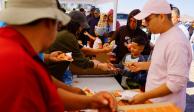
171	58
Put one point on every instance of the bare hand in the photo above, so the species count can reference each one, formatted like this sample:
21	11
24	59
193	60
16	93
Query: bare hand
78	91
138	99
134	66
53	56
59	56
106	45
86	33
103	101
108	49
107	67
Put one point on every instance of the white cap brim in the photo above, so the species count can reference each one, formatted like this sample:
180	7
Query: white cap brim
21	16
142	15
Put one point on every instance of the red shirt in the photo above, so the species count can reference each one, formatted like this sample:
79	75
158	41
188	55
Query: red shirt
24	82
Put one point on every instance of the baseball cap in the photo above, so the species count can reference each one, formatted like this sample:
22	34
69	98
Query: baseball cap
154	7
20	12
79	17
93	8
97	10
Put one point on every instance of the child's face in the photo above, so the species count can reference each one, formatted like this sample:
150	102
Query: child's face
105	18
136	49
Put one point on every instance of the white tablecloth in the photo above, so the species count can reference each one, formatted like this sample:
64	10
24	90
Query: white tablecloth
97	83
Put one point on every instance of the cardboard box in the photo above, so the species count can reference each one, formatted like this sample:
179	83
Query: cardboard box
154	107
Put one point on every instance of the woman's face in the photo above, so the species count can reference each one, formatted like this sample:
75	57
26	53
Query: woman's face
96	14
105	18
110	18
133	23
79	30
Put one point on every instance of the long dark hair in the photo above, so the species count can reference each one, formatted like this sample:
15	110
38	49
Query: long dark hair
73	27
131	15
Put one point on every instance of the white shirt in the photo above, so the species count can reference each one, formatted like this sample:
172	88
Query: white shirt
170	64
184	29
154	37
96	43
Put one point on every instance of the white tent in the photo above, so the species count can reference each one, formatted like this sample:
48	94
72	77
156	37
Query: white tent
2	4
96	2
93	2
86	1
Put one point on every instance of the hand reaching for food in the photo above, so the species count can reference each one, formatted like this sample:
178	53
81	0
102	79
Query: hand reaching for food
65	57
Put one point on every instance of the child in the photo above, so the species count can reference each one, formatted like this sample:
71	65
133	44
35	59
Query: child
99	39
133	79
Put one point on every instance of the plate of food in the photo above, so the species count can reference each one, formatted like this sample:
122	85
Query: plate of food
123	97
65	57
88	91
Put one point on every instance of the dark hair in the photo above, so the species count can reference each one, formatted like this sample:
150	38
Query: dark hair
92	8
176	10
81	10
60	7
131	15
139	39
63	10
171	6
72	27
58	4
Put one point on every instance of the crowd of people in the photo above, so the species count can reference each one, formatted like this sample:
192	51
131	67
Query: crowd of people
41	47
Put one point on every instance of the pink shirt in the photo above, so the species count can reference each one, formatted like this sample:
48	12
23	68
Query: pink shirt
170	64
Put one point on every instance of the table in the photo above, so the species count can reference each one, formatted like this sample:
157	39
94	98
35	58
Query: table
97	84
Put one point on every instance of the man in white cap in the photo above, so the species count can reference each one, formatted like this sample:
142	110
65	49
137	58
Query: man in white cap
171	59
25	83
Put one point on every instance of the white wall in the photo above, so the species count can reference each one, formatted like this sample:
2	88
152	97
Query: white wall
1	4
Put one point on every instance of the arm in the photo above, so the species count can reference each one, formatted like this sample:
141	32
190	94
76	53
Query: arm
53	56
177	68
56	56
102	100
90	36
160	91
60	84
105	66
138	66
92	51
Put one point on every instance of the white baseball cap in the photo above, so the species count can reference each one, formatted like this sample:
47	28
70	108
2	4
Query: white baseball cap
154	7
20	12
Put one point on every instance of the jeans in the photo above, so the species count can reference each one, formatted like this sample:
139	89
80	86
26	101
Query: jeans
68	77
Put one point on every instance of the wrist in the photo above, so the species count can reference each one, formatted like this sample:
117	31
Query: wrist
146	96
46	57
89	102
104	50
96	65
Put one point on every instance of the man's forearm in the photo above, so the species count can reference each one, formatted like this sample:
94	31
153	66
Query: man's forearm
90	51
158	92
60	84
71	100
